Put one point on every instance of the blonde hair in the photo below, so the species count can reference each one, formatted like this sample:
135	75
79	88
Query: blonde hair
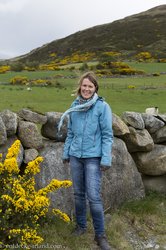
91	77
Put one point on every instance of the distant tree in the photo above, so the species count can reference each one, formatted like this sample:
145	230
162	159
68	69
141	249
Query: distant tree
16	66
109	56
84	67
32	66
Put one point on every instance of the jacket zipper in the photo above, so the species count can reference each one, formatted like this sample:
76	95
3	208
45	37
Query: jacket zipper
95	137
83	132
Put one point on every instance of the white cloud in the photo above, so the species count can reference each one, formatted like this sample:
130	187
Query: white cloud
12	6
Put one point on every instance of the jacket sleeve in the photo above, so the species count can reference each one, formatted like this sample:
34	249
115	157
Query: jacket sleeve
106	135
68	141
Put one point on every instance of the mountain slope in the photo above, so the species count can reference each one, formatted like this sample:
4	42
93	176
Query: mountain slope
141	32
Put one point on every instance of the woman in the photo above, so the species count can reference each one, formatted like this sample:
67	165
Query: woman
88	149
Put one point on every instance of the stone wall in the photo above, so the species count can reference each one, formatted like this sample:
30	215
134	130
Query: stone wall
139	153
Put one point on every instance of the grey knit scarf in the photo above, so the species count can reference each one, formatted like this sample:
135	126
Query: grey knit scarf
80	107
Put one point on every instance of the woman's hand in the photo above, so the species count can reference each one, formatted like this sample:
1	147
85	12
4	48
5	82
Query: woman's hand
66	161
104	168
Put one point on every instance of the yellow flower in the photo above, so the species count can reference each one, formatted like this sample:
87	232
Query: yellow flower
33	166
30	236
14	231
18	190
40	202
36	217
1	168
13	150
66	183
29	186
62	215
7	198
54	185
21	205
43	212
10	165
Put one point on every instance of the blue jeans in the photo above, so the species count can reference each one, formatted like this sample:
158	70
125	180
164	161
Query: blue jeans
86	175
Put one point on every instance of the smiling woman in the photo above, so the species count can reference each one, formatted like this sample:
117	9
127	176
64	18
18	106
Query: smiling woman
88	150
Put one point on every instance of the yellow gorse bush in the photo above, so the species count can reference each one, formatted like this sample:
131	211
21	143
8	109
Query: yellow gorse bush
19	80
21	205
4	69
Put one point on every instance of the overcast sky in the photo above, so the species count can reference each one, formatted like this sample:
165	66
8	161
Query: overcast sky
28	24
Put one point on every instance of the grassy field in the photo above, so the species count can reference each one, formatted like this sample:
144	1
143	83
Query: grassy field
127	228
148	67
5	78
148	92
122	93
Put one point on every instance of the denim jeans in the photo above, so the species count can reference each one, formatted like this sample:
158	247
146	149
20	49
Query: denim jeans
86	175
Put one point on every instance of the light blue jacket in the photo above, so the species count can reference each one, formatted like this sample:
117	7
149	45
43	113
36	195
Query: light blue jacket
90	133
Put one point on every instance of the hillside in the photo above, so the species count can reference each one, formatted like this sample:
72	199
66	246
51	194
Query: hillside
140	32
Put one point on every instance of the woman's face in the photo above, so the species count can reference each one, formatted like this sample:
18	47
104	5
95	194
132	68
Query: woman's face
87	89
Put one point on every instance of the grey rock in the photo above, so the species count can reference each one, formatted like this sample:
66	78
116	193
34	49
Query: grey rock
133	119
3	133
50	128
160	135
119	127
138	140
152	124
29	135
155	183
30	155
32	116
153	162
53	168
10	120
162	117
122	182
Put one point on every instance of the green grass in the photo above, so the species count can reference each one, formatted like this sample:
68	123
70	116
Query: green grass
149	91
5	78
135	100
144	218
41	99
149	67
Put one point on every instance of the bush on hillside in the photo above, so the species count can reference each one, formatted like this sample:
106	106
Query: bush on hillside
4	69
17	66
